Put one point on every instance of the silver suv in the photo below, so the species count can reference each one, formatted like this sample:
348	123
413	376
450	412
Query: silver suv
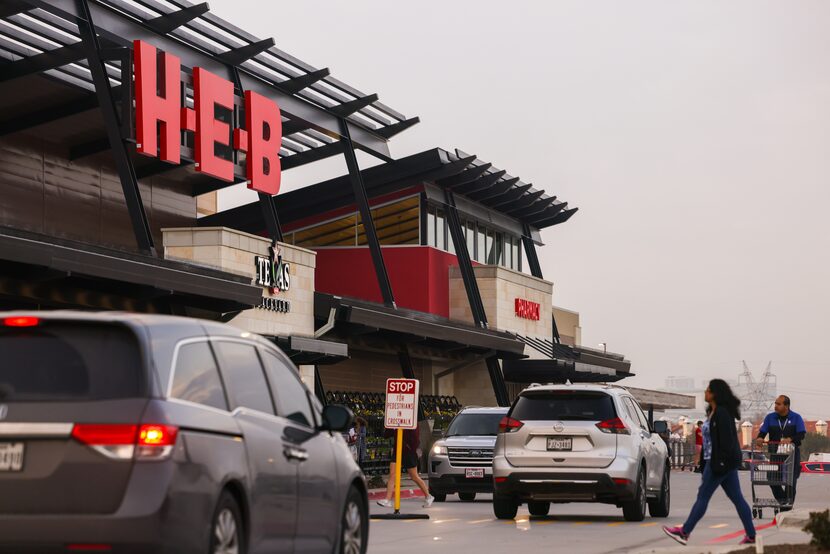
579	443
462	461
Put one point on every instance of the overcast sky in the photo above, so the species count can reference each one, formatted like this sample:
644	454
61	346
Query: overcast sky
694	137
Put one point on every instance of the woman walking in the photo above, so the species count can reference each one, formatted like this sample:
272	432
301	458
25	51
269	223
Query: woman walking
409	461
722	457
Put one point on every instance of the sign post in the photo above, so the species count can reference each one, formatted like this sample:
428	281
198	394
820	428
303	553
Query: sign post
401	413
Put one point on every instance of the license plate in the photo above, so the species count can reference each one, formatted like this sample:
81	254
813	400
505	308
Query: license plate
560	443
473	473
11	456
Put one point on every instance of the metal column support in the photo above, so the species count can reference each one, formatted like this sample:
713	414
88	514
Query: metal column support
123	163
362	200
473	294
408	371
319	390
536	271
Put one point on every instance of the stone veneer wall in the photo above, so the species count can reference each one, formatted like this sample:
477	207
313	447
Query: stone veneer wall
234	251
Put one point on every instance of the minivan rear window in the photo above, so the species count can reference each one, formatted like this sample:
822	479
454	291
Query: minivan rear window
564	405
69	361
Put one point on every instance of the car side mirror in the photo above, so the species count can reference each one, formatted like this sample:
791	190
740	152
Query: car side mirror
337	418
660	427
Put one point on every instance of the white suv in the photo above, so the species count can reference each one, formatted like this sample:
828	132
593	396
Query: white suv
579	443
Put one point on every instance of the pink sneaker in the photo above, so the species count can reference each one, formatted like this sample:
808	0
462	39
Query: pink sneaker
677	534
747	540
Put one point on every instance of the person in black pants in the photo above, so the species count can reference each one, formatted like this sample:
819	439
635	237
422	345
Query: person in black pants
722	457
784	426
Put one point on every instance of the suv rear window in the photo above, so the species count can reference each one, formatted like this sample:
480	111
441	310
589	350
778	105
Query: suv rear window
475	425
63	361
564	405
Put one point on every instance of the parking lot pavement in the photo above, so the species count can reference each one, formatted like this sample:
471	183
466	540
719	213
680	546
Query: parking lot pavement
457	527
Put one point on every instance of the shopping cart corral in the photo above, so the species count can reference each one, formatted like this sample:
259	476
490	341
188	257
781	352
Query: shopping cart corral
772	468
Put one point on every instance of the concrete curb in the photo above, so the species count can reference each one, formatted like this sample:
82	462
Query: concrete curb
703	549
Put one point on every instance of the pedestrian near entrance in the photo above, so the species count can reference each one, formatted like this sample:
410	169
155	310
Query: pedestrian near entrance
722	457
409	462
699	447
784	427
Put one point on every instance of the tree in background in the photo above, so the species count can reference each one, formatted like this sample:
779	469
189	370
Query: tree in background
814	443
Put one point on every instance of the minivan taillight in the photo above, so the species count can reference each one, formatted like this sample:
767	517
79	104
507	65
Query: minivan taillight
125	442
614	425
509	425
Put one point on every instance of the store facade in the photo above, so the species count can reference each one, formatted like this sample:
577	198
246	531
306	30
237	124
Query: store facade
123	118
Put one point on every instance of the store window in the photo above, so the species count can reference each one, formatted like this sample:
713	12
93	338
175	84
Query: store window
481	245
196	378
470	227
431	226
440	230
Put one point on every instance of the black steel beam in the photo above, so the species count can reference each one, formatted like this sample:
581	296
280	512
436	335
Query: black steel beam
348	108
106	100
465	264
300	82
522	203
269	214
242	54
561	217
493	190
313	155
319	389
467	176
169	22
497	380
365	210
535	208
530	252
42	62
13	7
390	131
548	214
509	196
484	182
89	149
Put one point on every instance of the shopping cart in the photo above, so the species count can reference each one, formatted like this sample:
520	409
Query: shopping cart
771	465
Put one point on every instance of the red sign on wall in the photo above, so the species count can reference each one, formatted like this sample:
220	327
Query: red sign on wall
161	116
527	309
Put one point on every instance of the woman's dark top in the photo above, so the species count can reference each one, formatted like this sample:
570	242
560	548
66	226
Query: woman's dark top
726	450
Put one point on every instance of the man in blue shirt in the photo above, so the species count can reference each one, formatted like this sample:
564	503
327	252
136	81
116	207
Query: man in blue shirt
786	427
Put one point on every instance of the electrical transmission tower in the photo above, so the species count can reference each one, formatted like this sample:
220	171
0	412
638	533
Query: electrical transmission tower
757	397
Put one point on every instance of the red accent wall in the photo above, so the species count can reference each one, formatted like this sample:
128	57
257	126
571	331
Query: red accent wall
419	275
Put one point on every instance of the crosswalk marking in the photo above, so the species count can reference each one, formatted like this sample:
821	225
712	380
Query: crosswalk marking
480	521
616	523
719	526
649	524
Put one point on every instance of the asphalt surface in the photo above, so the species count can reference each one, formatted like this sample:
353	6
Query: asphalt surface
457	527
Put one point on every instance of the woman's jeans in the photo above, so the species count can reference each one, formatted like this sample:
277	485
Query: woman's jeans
731	486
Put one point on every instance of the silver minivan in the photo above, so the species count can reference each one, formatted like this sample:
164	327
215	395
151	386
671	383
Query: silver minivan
159	434
579	443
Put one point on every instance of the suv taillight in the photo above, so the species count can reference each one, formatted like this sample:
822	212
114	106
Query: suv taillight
125	442
509	425
614	425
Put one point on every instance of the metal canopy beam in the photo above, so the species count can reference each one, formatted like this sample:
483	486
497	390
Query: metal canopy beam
530	252
466	176
509	196
42	62
523	202
482	183
391	130
561	217
348	108
13	7
295	85
539	219
244	53
106	100
112	26
535	208
169	22
316	154
482	193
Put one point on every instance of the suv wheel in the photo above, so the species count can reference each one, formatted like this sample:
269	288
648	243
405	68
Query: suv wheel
635	509
438	496
467	496
660	506
505	507
538	508
355	524
226	536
